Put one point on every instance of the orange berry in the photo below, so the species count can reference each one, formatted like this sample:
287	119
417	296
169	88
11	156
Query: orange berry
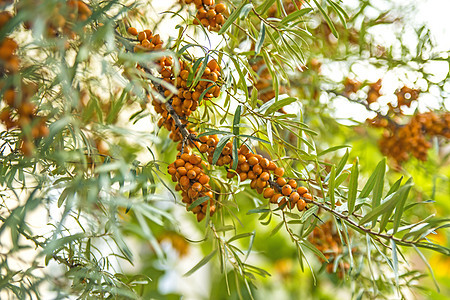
264	176
172	171
302	190
301	204
275	198
257	169
272	166
204	179
184	181
245	167
142	36
220	8
243	176
307	196
281	181
195	159
279	172
294	197
264	162
251	175
252	161
261	184
268	192
191	174
286	190
182	171
293	183
179	163
185	157
197	187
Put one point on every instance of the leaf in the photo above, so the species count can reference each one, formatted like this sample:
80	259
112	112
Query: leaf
241	236
258	211
342	163
269	132
245	11
220	145
403	195
388	205
395	186
295	15
198	202
261	37
313	248
277	228
201	263
235	153
395	260
327	18
280	104
331	187
234	15
378	185
237	120
265	6
428	266
353	187
379	172
332	149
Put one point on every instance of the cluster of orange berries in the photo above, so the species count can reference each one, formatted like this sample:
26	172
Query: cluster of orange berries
399	142
209	14
187	171
289	7
374	92
327	240
62	17
9	61
147	41
259	170
19	112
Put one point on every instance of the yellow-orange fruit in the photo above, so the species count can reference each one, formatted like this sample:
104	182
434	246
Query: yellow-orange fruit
220	8
191	174
275	198
293	183
251	175
242	176
268	192
182	171
301	204
220	19
197	187
185	156
294	197
264	162
245	167
257	169
204	179
244	150
272	166
307	196
172	171
195	159
286	190
281	181
132	31
302	190
264	176
184	181
212	65
179	163
279	172
142	36
261	184
252	161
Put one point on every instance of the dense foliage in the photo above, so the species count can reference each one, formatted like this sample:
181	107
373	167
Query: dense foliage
262	148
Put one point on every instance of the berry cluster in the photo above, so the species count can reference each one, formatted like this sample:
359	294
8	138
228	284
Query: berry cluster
260	171
9	61
209	14
19	111
327	240
399	142
187	171
351	86
147	41
62	18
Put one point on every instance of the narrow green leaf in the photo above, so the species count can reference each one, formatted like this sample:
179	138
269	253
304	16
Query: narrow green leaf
237	120
245	11
327	18
258	211
235	153
395	186
234	15
241	236
201	263
332	149
379	172
198	202
353	187
331	187
295	15
279	104
386	206
428	266
395	260
401	204
220	145
261	37
265	6
342	163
